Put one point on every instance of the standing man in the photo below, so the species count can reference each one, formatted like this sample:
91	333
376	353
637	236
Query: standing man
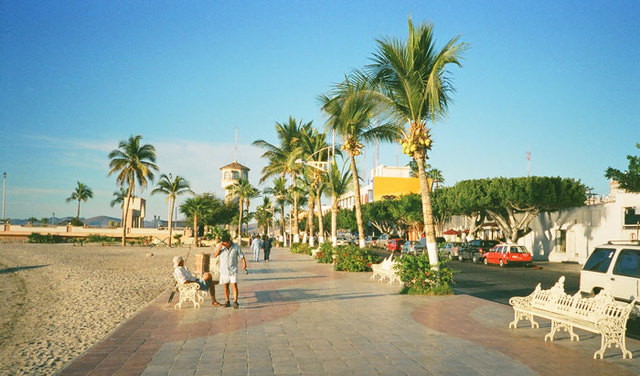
256	244
266	245
229	254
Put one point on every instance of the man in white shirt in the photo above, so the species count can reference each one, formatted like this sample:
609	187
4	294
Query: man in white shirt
256	244
229	254
184	276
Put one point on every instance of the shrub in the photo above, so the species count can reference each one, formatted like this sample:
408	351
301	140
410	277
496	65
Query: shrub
419	278
76	222
325	255
301	248
177	237
35	237
95	238
351	258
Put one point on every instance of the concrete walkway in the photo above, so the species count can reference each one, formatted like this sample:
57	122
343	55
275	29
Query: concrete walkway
297	317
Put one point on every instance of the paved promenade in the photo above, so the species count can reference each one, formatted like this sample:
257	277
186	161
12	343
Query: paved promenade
297	317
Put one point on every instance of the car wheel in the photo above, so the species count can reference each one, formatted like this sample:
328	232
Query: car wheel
485	261
475	259
501	263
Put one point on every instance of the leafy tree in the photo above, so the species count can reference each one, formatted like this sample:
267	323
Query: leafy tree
629	180
346	220
350	107
381	214
81	193
173	187
408	211
133	163
412	75
208	210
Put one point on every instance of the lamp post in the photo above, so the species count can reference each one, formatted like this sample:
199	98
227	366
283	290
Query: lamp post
4	193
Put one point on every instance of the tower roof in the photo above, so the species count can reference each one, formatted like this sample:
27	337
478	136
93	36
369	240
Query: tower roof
235	166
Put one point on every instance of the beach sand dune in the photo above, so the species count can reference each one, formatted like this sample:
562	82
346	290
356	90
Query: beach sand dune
58	300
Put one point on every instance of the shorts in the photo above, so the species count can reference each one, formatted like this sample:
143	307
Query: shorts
204	285
228	278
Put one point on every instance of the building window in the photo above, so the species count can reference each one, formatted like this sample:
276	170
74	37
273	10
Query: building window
235	175
631	216
245	176
227	176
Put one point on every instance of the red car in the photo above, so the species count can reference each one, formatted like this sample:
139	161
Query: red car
505	254
394	245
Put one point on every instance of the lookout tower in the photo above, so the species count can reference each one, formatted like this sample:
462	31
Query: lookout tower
231	174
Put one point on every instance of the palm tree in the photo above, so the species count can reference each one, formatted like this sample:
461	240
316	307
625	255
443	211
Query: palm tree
194	207
173	187
118	198
81	193
337	184
264	214
412	75
435	177
350	106
279	192
133	163
243	190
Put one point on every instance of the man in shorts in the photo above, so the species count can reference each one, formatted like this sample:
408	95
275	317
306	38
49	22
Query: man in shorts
229	254
183	275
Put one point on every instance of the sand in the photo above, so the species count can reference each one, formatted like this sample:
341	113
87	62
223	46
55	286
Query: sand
58	300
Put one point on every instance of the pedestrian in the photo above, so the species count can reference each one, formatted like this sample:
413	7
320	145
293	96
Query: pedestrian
229	253
266	246
256	244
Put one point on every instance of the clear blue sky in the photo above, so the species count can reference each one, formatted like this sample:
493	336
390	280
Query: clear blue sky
558	78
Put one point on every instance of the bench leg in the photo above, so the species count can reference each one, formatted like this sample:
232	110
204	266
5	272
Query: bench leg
612	335
522	316
556	327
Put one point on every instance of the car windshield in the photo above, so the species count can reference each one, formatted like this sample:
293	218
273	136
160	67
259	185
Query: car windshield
599	260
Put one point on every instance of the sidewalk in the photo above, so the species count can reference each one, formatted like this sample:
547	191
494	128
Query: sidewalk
299	317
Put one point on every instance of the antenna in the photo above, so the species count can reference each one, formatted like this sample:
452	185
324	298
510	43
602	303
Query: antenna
528	156
235	147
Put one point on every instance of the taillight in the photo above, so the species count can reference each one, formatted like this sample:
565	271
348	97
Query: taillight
480	250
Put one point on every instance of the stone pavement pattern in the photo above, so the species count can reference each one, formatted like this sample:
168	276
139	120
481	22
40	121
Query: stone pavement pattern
298	317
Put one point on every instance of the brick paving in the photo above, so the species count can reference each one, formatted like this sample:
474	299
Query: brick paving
297	317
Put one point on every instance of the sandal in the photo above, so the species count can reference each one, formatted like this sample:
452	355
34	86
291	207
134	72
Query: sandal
227	304
216	304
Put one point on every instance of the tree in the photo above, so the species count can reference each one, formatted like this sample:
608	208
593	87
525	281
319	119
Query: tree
412	76
264	214
242	190
193	207
381	215
81	193
279	192
172	187
630	179
350	107
346	220
119	197
133	163
338	182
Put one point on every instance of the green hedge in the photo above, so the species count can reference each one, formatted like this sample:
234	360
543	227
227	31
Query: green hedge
351	258
35	237
301	248
419	278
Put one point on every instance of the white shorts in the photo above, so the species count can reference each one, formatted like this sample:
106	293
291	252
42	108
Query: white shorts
228	278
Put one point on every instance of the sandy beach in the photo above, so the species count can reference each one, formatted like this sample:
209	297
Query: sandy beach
58	300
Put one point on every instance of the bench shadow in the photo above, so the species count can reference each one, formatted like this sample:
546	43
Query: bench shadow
19	268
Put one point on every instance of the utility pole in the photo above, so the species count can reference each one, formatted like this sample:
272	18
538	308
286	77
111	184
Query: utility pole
528	156
4	194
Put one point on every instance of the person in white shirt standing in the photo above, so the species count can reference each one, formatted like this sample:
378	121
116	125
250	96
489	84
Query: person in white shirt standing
183	275
256	244
229	254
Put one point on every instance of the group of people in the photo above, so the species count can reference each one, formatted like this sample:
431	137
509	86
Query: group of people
257	244
229	254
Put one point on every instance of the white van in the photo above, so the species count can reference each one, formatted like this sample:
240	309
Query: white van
614	266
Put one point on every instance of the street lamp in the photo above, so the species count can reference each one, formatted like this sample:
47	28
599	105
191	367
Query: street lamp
4	193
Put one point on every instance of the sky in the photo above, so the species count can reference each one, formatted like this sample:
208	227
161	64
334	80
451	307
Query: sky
560	79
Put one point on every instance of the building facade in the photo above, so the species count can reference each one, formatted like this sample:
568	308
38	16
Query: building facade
231	174
385	181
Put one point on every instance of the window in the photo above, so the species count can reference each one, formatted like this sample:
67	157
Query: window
628	263
227	176
235	175
599	260
518	249
631	216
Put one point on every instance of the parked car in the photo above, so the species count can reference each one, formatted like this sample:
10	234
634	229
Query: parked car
614	266
383	240
394	244
507	254
450	250
370	241
343	240
474	249
414	246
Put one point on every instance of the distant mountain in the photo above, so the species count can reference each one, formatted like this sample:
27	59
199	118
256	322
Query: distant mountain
100	221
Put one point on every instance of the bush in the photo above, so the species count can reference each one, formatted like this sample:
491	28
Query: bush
95	238
351	258
35	237
325	255
418	278
76	222
301	248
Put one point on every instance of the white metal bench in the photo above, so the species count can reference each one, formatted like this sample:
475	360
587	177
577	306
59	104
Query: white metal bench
189	292
601	314
386	270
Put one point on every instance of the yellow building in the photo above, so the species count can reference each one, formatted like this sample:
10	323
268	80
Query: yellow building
385	181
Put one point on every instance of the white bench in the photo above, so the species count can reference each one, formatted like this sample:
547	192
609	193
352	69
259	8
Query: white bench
189	292
386	270
601	314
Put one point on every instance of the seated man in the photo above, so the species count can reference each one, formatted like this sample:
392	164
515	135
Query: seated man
183	275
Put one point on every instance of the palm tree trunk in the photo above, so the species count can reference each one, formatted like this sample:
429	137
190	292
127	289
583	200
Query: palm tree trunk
427	213
296	230
310	221
124	216
282	231
240	202
173	202
356	185
78	213
195	229
334	221
320	224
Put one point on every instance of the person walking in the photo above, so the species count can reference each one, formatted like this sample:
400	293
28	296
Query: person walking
256	244
229	253
266	246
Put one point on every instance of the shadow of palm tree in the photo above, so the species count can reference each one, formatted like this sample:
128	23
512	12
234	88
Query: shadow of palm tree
19	268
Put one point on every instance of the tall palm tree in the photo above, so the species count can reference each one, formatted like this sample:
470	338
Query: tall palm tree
350	107
242	190
435	177
264	214
194	207
279	192
81	193
172	187
337	184
412	74
118	198
133	163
